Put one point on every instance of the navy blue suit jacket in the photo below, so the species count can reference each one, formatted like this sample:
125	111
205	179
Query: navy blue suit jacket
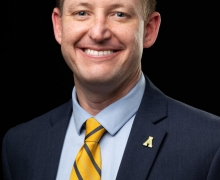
186	143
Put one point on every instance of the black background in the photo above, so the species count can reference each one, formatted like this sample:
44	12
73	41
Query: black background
183	62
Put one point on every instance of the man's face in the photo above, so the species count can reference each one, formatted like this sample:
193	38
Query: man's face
101	40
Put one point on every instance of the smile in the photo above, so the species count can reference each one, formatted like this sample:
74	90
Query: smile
98	53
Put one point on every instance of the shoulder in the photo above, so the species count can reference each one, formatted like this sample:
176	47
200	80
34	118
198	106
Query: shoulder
193	126
190	114
41	123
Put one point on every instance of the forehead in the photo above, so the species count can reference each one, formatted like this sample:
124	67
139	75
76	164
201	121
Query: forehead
133	4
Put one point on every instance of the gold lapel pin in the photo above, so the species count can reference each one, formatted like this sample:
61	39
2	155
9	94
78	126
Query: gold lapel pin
149	142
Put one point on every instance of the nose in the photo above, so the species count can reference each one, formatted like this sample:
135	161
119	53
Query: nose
99	31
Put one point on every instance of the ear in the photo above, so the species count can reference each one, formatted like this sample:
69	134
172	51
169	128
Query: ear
57	24
152	26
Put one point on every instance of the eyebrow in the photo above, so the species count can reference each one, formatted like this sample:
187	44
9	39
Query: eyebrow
88	5
84	4
119	5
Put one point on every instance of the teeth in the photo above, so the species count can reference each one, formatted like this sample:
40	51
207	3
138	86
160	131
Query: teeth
98	53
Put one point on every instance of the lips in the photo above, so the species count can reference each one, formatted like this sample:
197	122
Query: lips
98	53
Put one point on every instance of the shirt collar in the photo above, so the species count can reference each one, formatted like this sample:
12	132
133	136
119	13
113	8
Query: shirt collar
114	116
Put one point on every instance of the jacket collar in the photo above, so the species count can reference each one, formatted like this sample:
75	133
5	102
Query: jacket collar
50	143
138	159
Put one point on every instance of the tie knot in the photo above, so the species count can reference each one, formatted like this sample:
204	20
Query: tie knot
94	130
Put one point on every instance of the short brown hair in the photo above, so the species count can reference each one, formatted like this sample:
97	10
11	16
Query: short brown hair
149	6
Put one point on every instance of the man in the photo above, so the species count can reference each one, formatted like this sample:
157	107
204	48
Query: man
148	135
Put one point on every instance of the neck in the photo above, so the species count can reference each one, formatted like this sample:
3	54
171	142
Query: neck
94	98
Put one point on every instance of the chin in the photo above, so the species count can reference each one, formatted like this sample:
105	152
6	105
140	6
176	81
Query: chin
101	79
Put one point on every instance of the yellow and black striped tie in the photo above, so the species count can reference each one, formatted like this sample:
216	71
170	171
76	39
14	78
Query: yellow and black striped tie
88	160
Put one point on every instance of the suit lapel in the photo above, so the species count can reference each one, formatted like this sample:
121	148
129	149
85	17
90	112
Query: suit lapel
138	159
50	145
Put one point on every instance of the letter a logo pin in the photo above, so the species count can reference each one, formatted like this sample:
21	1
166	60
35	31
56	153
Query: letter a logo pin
149	142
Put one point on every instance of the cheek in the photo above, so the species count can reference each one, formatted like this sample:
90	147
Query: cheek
136	46
72	32
135	41
132	35
138	43
68	33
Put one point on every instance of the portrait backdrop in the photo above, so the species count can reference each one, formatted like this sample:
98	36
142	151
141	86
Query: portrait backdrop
183	62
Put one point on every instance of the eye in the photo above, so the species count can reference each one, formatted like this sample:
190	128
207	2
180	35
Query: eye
120	14
82	13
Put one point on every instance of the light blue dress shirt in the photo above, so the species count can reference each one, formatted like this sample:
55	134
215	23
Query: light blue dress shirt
117	119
